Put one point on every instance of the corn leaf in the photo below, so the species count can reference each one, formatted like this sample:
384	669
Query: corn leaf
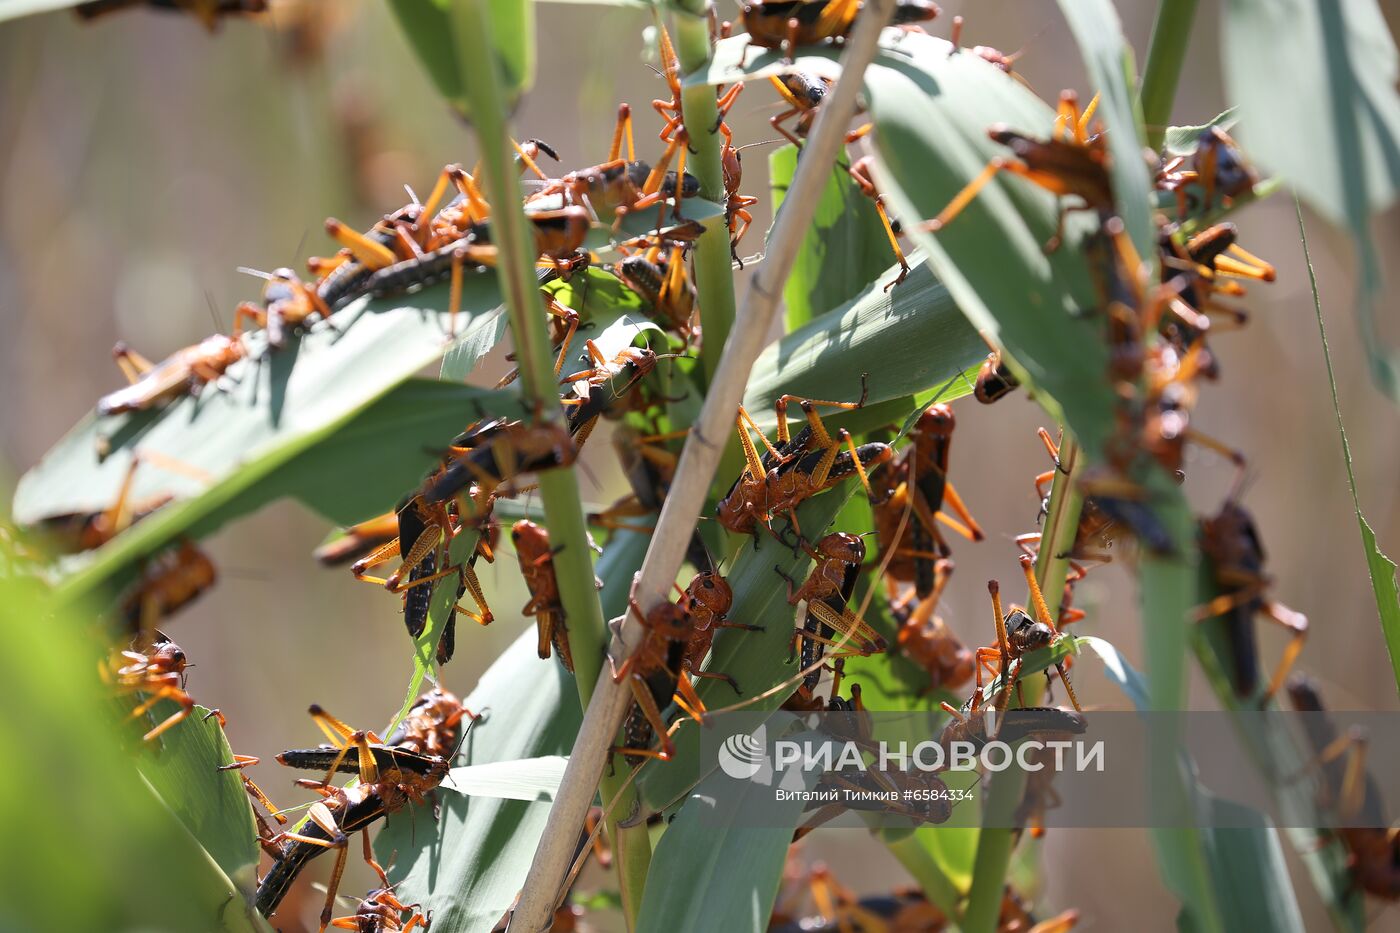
844	250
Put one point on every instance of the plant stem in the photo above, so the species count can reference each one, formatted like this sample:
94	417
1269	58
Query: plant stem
714	273
563	509
714	270
1170	34
1168	584
697	466
510	231
995	842
935	884
1168	593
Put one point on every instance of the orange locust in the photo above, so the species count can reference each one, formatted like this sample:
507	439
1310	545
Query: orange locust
208	12
287	303
185	372
707	600
1069	163
389	779
1352	794
153	673
654	672
596	391
787	24
920	474
1234	555
168	583
380	911
1018	635
537	567
800	466
928	641
828	620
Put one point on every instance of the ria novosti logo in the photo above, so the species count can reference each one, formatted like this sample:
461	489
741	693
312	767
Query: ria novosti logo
747	756
742	756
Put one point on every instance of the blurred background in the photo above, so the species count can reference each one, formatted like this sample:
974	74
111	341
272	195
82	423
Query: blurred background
143	160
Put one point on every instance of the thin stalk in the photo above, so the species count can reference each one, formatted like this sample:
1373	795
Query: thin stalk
1171	32
563	509
1169	585
697	466
930	877
510	231
994	843
1168	594
714	270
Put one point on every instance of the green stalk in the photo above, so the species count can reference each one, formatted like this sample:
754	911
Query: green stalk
714	274
922	868
1171	33
714	270
573	563
1169	585
994	843
1168	594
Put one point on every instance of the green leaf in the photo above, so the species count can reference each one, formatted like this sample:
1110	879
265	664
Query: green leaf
734	59
1337	141
1118	670
709	848
844	250
1109	61
1167	595
909	339
260	438
400	432
1279	759
392	444
1380	567
1334	64
1181	140
1247	858
940	859
211	803
14	9
526	779
469	866
931	113
100	849
428	26
273	406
